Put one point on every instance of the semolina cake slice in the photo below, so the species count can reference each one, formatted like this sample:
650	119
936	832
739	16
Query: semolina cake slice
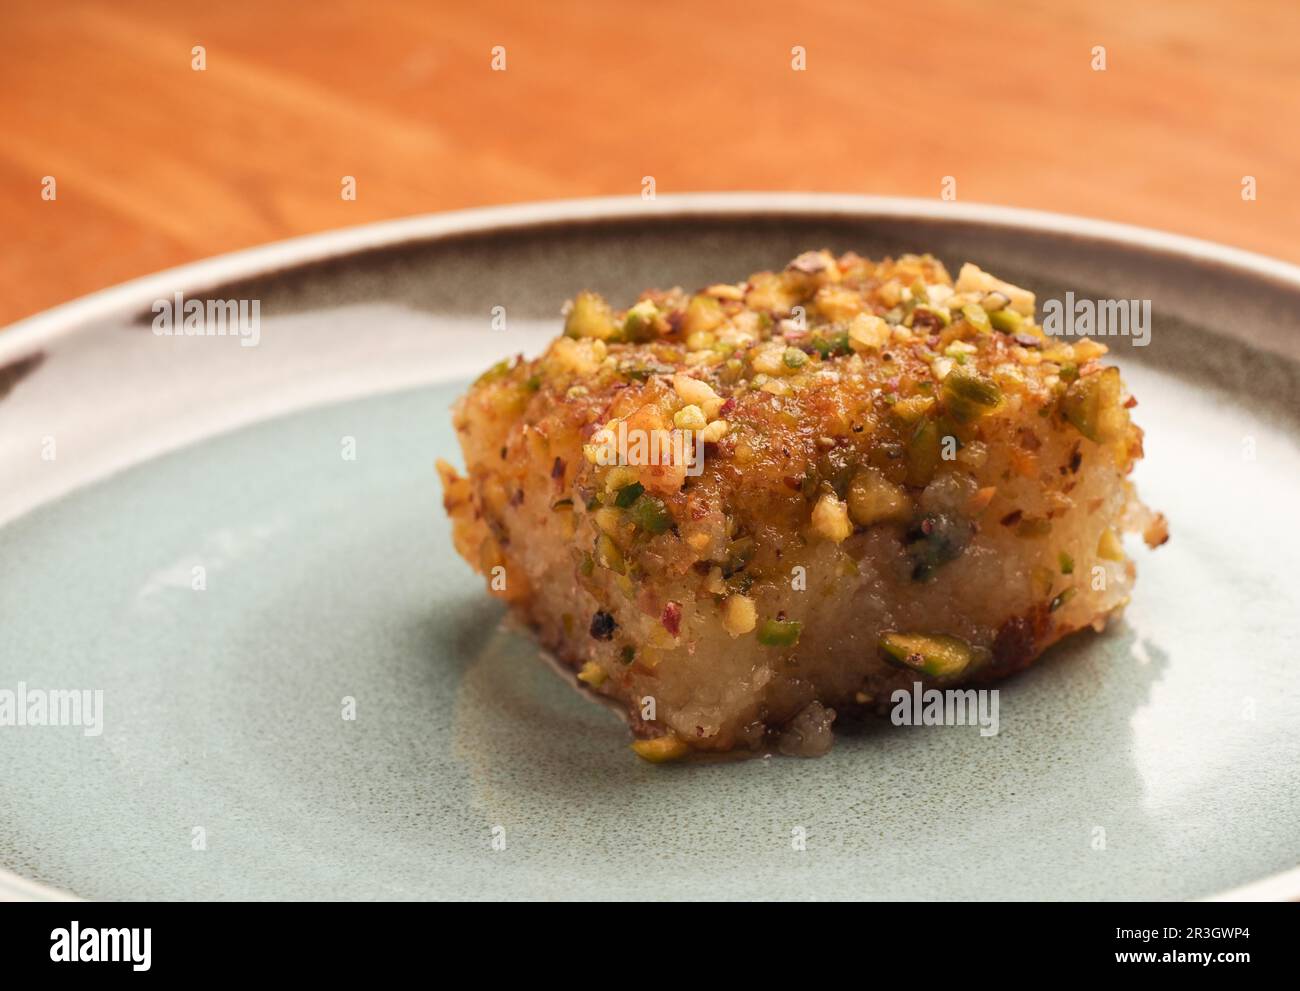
741	511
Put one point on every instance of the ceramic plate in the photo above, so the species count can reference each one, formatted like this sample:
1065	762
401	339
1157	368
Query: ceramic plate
241	546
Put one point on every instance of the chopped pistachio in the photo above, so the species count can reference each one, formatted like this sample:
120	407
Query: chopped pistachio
935	654
939	313
977	318
499	370
1006	320
793	358
923	453
660	750
620	477
911	409
608	555
1109	547
994	301
968	396
589	316
639	321
628	494
872	498
779	632
828	343
1092	405
1066	562
651	515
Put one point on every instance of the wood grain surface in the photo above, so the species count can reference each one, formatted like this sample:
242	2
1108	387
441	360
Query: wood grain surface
156	163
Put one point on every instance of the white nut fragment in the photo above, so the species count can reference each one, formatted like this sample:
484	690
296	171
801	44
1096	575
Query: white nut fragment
973	279
697	393
699	542
769	359
739	615
830	519
700	340
689	418
579	356
868	333
715	431
725	291
939	294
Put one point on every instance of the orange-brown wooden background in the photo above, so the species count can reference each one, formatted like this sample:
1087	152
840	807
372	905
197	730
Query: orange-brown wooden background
157	164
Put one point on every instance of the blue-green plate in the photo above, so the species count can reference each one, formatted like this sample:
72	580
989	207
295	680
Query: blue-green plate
307	695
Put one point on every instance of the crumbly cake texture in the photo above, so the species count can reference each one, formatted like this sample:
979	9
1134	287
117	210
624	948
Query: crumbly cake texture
903	479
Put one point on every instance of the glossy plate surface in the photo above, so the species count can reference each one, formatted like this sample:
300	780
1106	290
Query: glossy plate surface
1154	761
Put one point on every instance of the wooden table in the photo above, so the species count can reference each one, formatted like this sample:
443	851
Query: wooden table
156	163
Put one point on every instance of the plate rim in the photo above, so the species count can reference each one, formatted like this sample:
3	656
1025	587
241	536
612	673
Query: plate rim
24	335
29	334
